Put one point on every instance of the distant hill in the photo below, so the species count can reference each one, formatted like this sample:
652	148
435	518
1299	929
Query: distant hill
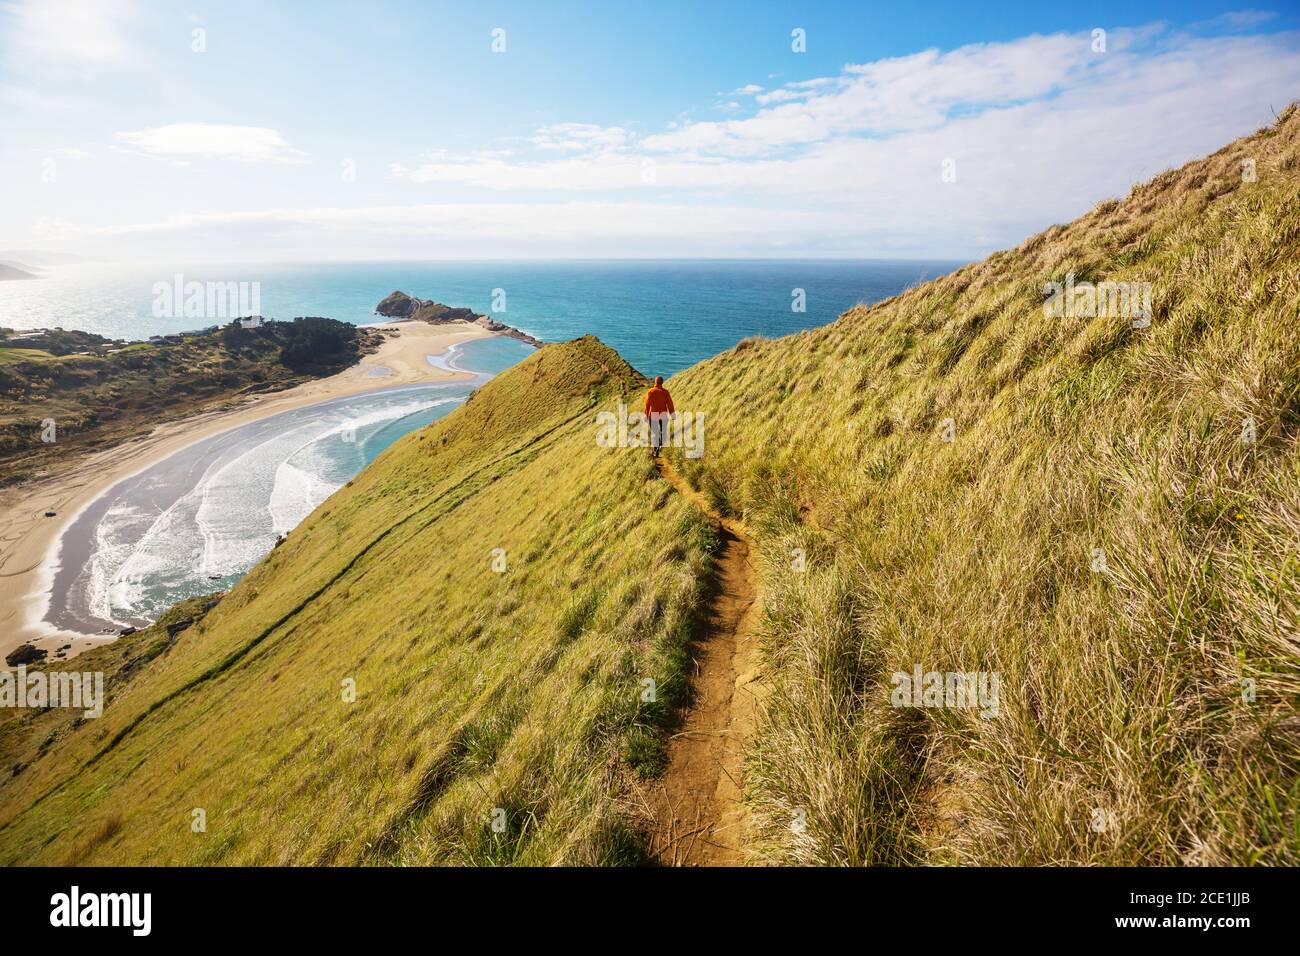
476	651
39	259
10	271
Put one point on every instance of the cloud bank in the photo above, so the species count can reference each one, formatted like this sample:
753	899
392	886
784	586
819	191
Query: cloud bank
939	153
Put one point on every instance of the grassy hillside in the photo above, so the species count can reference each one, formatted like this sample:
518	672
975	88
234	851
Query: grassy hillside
1096	531
475	690
1122	700
100	391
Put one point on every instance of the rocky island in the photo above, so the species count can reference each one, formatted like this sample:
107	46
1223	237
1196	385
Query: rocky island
399	305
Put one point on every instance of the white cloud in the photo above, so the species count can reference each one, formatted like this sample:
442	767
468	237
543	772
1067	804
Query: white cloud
602	171
187	141
472	230
890	96
52	32
580	137
1040	129
1239	19
782	96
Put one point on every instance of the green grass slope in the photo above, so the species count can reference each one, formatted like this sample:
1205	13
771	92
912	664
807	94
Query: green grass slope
477	692
1124	734
1097	533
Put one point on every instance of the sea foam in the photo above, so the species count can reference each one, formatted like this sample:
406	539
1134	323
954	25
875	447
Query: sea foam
146	559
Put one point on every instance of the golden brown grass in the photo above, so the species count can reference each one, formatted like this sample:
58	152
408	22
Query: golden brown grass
1123	733
516	694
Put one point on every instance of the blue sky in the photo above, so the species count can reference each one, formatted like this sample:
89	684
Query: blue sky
380	131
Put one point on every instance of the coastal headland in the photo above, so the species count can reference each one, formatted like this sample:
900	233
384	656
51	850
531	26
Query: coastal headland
34	513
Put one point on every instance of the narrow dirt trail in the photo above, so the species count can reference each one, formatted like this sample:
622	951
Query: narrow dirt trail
697	810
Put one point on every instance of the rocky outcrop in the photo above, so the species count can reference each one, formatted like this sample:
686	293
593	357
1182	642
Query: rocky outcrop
399	305
26	654
500	328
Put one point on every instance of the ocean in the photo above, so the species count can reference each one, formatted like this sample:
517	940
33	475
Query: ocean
198	521
661	316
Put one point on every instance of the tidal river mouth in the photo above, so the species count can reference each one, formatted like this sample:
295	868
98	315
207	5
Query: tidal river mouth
199	520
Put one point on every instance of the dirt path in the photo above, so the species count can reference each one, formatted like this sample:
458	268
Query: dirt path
697	810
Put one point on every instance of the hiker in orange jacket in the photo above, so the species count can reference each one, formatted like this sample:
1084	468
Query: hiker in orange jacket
658	408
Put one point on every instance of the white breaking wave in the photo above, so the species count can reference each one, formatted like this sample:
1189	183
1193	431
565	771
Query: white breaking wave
113	547
447	361
297	494
302	481
127	560
230	518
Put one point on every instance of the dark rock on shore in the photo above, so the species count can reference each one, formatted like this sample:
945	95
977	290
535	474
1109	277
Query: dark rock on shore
500	328
175	627
399	305
25	654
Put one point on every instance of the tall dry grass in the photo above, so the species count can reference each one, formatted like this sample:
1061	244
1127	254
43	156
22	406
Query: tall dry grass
1096	533
1125	734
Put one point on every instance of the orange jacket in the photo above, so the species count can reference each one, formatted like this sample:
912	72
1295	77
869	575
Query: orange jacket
657	400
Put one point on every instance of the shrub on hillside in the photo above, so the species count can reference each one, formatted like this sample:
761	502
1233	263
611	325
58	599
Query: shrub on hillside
313	341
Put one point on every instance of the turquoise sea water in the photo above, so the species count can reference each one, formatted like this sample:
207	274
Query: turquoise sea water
200	520
660	315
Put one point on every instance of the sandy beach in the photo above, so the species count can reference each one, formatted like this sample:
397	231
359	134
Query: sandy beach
28	539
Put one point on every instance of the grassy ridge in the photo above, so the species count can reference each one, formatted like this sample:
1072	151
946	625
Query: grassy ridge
1123	736
1097	533
475	690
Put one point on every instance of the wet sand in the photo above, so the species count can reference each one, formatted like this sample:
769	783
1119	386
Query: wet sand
29	540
